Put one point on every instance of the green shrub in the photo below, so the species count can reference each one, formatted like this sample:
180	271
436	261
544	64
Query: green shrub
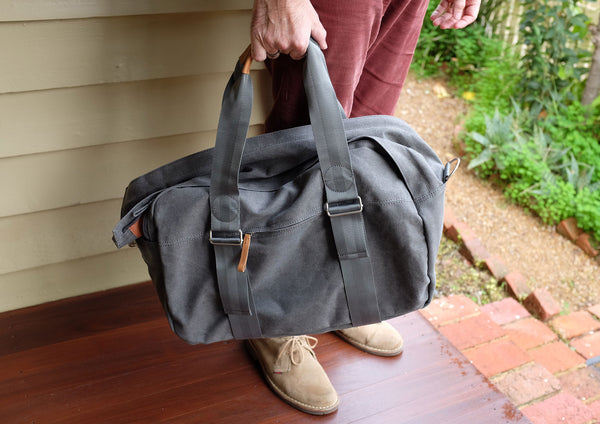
526	124
553	61
458	54
577	127
538	172
587	211
497	81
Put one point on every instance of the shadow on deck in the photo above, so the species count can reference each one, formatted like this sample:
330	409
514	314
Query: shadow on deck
111	358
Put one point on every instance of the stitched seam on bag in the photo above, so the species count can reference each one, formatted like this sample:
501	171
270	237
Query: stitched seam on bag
280	184
399	168
293	135
312	213
431	194
182	240
387	202
262	232
265	232
431	281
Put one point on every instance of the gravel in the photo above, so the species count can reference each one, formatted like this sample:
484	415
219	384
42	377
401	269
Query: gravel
522	240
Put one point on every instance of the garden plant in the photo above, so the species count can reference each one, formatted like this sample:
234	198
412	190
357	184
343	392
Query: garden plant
527	126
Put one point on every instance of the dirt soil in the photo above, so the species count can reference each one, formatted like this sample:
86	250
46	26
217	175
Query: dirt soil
522	240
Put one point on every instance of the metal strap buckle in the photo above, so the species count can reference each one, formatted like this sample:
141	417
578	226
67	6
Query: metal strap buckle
346	207
225	238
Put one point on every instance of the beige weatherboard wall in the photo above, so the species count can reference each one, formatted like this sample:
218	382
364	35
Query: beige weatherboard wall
92	94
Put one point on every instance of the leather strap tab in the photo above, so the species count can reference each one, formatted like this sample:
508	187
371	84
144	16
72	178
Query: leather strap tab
136	228
244	257
246	61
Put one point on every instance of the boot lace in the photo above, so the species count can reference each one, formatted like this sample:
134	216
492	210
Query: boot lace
296	348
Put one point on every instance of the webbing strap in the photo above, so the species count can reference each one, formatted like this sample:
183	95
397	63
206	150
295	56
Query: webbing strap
361	296
340	189
357	271
234	287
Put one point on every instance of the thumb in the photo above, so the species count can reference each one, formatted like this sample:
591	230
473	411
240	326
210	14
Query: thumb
319	34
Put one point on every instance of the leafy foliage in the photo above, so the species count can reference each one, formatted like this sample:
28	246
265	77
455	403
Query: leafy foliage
526	125
459	53
577	126
551	32
541	172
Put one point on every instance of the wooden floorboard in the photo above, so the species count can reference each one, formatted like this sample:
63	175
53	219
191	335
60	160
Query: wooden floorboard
111	358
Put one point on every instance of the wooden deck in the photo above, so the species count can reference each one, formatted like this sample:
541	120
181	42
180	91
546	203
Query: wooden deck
111	358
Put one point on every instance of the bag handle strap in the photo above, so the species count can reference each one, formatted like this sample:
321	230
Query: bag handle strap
343	203
225	233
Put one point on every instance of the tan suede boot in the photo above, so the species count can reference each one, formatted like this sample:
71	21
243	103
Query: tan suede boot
379	339
292	371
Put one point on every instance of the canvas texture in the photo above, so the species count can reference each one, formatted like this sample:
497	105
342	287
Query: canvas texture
303	267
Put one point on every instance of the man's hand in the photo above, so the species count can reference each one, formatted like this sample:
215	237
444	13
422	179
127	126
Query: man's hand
455	13
284	26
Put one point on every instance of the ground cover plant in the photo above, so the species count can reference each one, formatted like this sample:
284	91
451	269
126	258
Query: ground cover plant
527	128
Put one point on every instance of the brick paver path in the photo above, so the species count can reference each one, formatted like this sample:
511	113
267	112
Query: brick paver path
540	366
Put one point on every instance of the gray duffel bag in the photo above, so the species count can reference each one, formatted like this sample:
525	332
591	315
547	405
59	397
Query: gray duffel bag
301	231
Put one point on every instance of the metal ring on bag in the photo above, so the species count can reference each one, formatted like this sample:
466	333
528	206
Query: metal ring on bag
448	172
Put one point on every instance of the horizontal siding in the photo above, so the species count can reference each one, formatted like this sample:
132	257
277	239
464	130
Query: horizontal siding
94	93
27	10
50	120
66	53
57	235
84	229
73	278
35	183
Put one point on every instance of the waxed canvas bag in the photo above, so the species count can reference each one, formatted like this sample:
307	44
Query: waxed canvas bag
301	231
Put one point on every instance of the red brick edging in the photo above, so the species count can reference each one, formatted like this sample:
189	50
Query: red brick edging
541	367
537	357
539	302
569	229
